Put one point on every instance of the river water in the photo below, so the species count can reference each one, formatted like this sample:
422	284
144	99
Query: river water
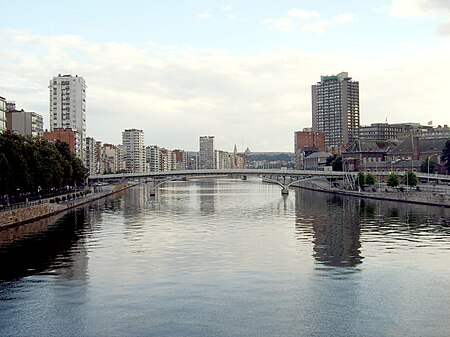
229	258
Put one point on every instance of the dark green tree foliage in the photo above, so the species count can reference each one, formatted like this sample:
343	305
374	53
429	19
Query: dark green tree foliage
335	161
445	157
27	164
424	166
370	179
360	180
393	180
410	179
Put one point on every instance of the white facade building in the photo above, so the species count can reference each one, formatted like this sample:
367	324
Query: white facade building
134	150
90	155
206	153
153	158
2	114
68	108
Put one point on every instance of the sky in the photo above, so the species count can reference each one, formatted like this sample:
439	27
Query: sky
239	70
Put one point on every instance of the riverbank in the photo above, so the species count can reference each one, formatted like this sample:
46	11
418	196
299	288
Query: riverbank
413	196
25	215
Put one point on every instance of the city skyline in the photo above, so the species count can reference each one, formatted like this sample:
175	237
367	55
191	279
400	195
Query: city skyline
241	72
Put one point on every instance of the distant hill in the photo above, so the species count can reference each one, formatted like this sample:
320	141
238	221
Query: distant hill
270	156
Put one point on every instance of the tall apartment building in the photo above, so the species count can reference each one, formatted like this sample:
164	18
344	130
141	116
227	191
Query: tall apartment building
26	123
335	109
153	158
166	159
90	156
134	150
2	114
99	157
206	153
224	160
180	160
121	164
68	108
109	158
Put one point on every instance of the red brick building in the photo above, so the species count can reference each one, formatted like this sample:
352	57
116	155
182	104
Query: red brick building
63	135
305	142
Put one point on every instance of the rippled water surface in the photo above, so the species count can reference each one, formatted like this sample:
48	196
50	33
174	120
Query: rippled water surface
229	258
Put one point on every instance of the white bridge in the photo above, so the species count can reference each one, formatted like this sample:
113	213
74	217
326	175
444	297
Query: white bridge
282	177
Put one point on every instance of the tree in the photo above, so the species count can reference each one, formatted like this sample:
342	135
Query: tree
360	180
30	164
335	161
393	180
445	157
428	166
410	179
370	179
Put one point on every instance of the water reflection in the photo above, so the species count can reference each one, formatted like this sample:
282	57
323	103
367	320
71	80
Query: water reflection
335	227
207	196
229	257
37	251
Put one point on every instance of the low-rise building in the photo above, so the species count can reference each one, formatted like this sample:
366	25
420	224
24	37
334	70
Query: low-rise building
306	142
316	160
360	152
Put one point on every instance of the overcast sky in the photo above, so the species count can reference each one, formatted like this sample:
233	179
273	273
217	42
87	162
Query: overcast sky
239	70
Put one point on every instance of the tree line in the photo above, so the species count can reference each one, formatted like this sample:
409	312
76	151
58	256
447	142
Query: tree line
35	165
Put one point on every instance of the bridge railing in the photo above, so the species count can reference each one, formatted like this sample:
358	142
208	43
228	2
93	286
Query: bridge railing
257	172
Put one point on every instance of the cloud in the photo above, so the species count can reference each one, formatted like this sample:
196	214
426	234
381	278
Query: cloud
206	15
444	29
226	8
343	19
284	25
308	21
303	14
419	8
177	94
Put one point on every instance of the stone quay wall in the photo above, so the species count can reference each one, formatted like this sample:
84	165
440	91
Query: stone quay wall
441	199
23	215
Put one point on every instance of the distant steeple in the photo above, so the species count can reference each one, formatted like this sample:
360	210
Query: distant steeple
235	149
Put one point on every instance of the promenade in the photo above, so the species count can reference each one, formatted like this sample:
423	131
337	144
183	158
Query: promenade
42	210
425	195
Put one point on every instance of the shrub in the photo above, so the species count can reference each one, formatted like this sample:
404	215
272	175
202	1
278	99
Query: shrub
63	198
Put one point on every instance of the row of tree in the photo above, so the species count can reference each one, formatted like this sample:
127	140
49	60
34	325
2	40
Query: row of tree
32	165
393	180
409	179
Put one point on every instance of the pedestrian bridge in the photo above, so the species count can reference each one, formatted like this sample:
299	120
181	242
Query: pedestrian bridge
282	177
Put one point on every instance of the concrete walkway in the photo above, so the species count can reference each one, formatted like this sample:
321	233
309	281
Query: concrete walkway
439	197
24	215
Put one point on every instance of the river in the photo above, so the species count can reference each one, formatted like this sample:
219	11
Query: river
229	258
